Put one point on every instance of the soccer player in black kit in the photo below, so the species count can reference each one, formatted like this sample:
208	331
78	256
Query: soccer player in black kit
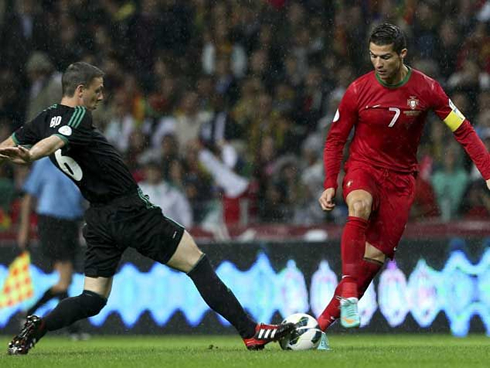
119	216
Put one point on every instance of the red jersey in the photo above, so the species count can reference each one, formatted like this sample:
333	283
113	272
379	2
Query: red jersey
389	120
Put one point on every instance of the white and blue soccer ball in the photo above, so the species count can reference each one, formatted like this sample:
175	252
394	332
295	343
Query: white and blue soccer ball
306	334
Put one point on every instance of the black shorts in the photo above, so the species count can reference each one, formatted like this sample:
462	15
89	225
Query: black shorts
127	222
58	238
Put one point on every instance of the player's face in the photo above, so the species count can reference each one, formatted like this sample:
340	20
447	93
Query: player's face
387	62
93	94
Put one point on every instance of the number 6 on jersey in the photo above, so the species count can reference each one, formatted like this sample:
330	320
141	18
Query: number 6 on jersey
69	166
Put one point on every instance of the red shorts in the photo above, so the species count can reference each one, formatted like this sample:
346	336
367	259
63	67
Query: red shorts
393	195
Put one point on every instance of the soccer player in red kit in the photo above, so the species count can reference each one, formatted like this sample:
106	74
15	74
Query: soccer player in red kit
387	107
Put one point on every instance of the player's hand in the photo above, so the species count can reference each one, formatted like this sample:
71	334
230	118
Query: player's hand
327	199
17	155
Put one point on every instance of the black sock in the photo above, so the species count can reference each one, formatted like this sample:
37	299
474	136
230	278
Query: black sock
70	310
74	328
220	298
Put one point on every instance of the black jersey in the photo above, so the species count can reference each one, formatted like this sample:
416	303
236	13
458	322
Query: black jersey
87	158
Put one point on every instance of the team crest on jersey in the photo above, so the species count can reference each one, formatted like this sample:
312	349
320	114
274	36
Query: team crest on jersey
413	102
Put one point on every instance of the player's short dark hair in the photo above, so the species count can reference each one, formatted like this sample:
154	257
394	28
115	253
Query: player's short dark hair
387	34
79	73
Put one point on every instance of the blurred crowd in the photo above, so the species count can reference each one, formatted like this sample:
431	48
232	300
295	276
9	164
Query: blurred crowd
221	108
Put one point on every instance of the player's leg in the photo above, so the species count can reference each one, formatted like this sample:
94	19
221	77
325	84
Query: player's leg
386	228
189	259
371	264
353	242
101	260
360	190
89	303
368	268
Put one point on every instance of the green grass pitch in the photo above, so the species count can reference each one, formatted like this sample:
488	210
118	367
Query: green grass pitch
351	350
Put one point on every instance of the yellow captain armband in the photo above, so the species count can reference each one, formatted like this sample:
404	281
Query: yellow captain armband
455	117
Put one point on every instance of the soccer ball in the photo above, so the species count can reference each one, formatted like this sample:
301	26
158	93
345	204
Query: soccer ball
306	335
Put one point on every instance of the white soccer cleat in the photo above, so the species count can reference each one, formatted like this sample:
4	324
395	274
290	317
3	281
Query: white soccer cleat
349	313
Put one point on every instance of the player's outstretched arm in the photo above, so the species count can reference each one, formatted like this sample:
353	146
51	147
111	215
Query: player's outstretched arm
462	130
21	155
9	142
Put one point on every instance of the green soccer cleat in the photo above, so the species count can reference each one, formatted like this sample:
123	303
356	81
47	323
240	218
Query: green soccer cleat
349	314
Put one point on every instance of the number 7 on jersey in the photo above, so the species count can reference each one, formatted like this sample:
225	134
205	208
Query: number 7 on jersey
397	112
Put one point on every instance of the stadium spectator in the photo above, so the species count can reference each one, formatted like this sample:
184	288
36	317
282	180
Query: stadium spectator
424	28
12	101
121	123
198	185
447	46
476	202
245	108
218	45
176	174
311	103
168	198
292	189
312	180
45	84
450	183
188	120
425	203
8	193
132	157
24	23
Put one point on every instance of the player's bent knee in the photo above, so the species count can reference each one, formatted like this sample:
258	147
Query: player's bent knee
203	260
186	256
360	208
92	303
